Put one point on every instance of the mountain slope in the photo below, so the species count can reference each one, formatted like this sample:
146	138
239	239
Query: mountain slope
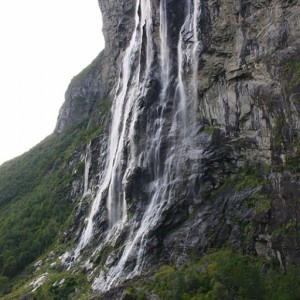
181	137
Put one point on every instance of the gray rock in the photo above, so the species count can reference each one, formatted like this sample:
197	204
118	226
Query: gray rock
248	114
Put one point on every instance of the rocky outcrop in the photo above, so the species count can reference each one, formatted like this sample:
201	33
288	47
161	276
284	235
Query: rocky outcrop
83	95
88	89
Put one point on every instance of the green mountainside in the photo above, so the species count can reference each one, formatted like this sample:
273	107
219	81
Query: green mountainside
35	188
34	200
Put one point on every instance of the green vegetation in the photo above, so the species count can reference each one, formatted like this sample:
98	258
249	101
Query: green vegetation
289	230
210	130
63	286
35	202
293	160
80	168
220	276
261	203
251	175
248	176
283	142
291	74
103	255
280	134
57	286
34	198
4	285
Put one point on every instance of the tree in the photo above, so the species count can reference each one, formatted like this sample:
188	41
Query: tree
10	267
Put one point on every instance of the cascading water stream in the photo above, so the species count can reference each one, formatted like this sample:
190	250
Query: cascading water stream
110	177
164	47
87	165
166	134
189	51
165	176
155	130
197	47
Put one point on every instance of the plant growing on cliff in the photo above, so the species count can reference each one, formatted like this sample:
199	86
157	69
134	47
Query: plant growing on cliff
223	275
36	207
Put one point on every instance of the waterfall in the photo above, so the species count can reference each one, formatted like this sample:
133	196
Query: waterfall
167	143
164	47
87	165
110	180
124	106
189	50
197	47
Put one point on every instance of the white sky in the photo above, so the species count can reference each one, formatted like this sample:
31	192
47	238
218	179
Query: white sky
43	45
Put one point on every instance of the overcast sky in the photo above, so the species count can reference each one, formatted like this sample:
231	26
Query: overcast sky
43	45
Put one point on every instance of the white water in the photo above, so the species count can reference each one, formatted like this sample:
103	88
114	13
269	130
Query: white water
164	47
123	106
120	112
197	45
188	57
87	165
170	128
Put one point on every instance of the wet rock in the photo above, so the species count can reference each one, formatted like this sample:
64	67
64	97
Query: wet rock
246	113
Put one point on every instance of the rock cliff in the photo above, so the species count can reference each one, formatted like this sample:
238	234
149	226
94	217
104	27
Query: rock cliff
190	140
201	149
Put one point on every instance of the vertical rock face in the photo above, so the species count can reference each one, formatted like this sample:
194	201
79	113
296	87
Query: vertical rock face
201	147
98	79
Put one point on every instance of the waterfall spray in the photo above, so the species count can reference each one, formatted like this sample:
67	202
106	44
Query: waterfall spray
167	137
